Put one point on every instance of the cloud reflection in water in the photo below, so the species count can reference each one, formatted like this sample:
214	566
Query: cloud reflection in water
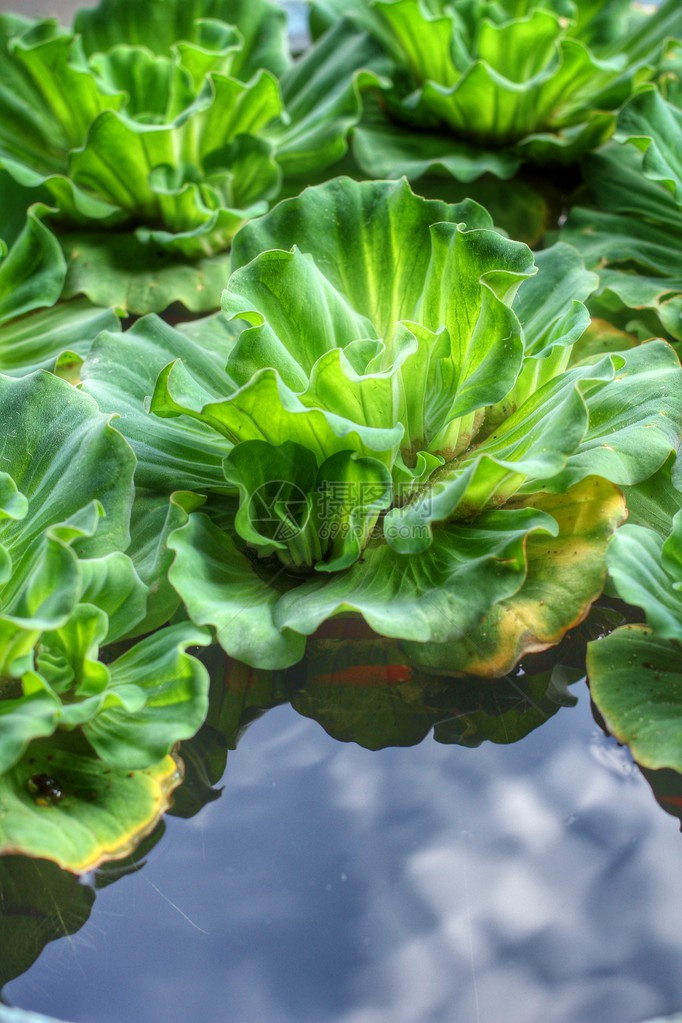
331	884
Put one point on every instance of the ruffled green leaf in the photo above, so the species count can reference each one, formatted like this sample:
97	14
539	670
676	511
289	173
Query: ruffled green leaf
120	374
174	687
636	683
62	803
631	238
633	673
28	715
66	590
265	409
48	98
647	572
140	277
655	501
436	597
63	454
353	338
315	518
37	341
32	273
154	518
324	101
535	442
171	148
220	587
398	341
651	125
390	151
160	26
634	420
32	276
531	81
113	585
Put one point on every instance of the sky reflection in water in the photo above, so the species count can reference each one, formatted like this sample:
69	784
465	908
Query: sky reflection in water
331	884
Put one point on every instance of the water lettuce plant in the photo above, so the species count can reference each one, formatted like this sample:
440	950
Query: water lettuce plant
631	232
70	714
397	432
635	675
484	85
155	130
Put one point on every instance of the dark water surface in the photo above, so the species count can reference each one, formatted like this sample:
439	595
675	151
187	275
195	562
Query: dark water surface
331	884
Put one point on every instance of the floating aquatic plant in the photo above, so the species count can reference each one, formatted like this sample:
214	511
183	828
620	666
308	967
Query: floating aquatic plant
397	431
484	85
156	130
75	720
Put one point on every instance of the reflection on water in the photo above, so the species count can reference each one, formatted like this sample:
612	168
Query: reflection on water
333	884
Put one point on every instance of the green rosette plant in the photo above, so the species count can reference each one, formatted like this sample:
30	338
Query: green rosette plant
396	433
72	713
483	85
631	233
635	673
155	130
35	328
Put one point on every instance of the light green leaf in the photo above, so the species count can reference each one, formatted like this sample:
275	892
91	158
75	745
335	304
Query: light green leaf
535	442
450	587
323	95
655	501
154	518
36	341
63	455
119	270
32	274
433	598
647	572
63	804
634	420
160	25
25	716
636	683
175	690
112	584
506	82
265	409
319	519
631	238
120	374
350	321
651	125
389	151
173	143
48	98
219	587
